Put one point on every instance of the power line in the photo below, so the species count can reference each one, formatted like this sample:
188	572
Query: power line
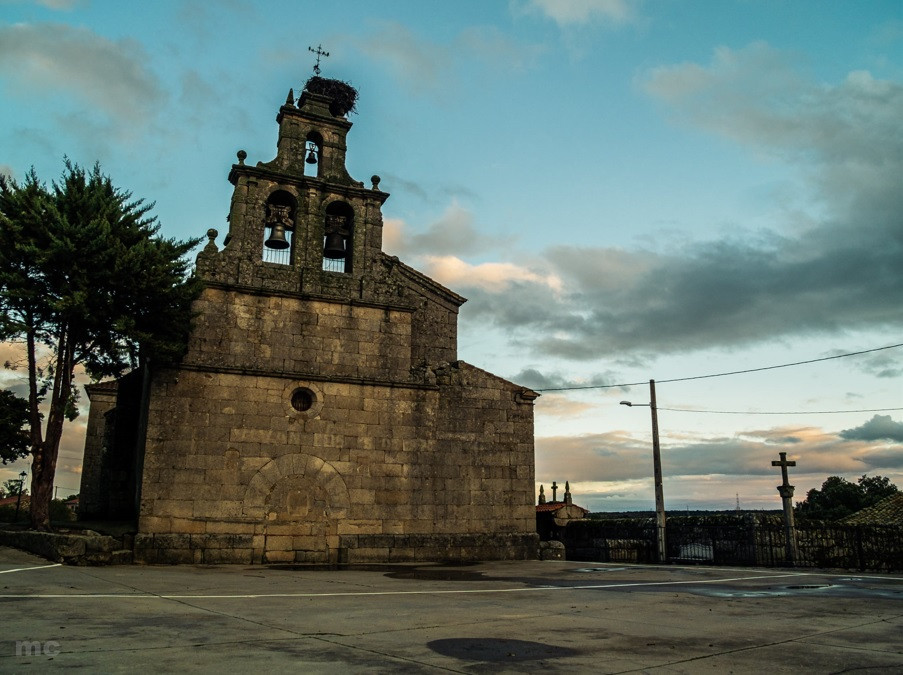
732	372
781	412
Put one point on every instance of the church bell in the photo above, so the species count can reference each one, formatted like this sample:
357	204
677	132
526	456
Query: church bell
277	238
335	246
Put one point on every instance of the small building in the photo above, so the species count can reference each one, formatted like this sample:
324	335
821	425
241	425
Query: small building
321	413
553	516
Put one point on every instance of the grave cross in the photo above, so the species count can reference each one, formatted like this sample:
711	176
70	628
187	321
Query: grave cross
785	489
319	52
554	489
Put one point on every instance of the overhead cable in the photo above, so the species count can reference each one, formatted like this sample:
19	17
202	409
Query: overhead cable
732	372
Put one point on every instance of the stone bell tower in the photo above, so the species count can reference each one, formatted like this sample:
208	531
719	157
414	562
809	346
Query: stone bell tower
301	215
320	413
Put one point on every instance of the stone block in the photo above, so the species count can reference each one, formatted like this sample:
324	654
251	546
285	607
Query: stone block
271	556
279	543
359	527
227	527
228	556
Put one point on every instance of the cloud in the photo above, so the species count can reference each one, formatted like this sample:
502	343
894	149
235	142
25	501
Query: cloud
495	49
60	5
581	12
838	273
879	365
453	234
534	379
426	66
557	405
106	76
418	63
617	456
492	277
880	427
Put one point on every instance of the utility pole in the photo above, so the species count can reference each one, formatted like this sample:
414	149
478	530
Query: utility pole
660	544
657	473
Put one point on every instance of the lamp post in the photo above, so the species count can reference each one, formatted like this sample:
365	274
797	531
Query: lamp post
657	473
22	476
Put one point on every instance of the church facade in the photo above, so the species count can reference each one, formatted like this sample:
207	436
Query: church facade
321	413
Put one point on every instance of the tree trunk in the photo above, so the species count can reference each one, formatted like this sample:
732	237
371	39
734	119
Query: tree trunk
44	464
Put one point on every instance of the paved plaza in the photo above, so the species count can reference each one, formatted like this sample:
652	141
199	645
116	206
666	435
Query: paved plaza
533	616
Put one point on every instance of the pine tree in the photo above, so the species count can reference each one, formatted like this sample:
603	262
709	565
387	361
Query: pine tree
84	276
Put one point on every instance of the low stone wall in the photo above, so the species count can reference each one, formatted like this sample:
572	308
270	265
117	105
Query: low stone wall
252	549
83	548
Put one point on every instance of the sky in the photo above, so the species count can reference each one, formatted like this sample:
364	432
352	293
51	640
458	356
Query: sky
624	191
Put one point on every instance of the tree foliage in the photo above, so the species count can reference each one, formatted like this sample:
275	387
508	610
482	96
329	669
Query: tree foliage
84	278
14	438
11	487
839	498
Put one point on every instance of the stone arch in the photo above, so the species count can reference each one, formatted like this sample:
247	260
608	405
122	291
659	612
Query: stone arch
280	211
338	233
300	470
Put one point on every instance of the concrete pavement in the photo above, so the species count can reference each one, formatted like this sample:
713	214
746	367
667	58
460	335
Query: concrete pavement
494	617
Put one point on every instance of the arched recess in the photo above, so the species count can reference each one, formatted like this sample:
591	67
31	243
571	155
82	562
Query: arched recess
296	488
313	154
279	228
338	237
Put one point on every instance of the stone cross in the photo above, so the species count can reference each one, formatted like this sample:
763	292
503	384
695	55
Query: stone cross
554	489
785	489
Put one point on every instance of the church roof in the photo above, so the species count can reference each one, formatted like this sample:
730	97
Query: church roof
889	511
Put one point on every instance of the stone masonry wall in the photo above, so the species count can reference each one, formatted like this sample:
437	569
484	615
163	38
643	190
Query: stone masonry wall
93	500
279	333
233	473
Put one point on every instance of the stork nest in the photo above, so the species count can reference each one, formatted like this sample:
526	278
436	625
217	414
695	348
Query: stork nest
343	95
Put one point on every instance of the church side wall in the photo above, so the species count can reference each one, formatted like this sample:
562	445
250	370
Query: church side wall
234	474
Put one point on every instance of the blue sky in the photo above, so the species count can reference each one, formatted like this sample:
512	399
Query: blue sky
623	190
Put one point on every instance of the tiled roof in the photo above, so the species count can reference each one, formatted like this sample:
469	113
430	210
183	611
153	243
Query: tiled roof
888	511
554	506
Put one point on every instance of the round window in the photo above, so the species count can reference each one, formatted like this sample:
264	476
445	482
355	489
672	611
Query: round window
303	399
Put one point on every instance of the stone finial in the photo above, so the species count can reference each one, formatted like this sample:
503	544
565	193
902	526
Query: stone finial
542	494
567	493
211	245
375	180
290	99
242	156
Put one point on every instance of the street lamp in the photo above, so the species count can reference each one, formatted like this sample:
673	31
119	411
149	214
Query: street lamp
22	476
657	472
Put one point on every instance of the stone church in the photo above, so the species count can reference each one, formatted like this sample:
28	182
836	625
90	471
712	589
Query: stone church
320	413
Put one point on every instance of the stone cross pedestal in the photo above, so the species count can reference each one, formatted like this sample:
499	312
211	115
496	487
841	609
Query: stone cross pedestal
785	489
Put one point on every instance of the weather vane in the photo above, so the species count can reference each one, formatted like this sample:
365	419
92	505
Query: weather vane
319	52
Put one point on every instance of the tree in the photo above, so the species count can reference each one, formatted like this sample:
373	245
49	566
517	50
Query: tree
839	498
14	438
84	280
11	487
